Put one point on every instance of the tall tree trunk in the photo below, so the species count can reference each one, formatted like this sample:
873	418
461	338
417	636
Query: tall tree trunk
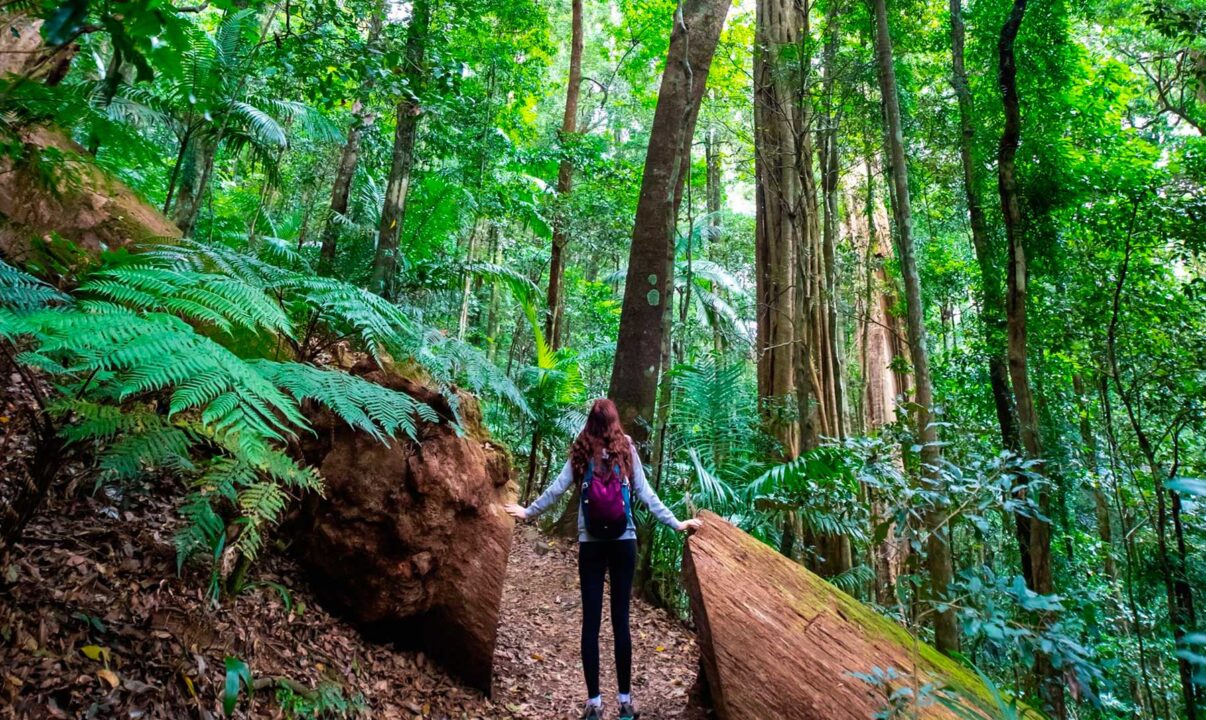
832	348
479	227
780	198
393	211
712	196
1089	453
697	25
492	318
992	302
1050	685
938	550
565	180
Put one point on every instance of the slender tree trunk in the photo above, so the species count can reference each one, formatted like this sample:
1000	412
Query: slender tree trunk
565	180
362	119
393	211
1177	588
1089	453
938	555
693	41
194	179
992	302
1050	685
492	318
713	193
342	188
475	234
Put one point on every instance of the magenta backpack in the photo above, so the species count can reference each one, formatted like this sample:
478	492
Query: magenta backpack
605	502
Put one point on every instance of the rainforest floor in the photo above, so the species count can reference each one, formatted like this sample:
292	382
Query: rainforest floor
95	622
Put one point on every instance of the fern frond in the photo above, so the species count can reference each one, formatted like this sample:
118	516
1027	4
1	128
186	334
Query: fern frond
220	300
22	292
377	410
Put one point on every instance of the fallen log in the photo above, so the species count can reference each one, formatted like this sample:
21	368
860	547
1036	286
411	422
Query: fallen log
410	540
777	641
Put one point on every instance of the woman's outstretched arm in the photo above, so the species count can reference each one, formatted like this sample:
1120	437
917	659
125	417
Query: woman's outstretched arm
547	498
648	496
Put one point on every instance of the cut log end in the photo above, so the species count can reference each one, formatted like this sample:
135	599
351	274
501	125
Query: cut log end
778	641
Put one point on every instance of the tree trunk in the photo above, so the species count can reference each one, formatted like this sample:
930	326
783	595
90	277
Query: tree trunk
938	555
565	181
1050	684
346	172
637	367
194	179
393	211
1176	582
991	301
475	234
341	189
780	198
713	193
492	318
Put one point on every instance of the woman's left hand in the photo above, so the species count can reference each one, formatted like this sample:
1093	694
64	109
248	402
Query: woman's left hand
690	525
516	511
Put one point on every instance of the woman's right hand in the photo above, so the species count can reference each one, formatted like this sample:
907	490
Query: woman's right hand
516	511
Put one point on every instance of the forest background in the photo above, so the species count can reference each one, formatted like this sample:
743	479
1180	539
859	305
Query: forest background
924	306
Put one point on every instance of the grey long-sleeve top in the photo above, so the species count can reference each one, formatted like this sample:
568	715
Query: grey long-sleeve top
640	487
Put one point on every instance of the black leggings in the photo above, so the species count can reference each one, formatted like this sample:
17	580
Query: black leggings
594	559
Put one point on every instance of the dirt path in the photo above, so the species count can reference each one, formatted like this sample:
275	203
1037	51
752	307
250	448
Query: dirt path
537	669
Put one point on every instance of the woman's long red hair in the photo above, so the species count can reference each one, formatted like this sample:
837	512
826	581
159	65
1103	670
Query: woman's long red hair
602	432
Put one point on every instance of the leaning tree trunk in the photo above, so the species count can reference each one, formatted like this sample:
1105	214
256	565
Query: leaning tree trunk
565	181
393	211
1050	684
938	551
697	25
992	302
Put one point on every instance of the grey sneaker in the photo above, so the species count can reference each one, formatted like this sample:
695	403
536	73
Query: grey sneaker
627	712
592	712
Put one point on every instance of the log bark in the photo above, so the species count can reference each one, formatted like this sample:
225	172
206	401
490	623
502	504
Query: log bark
410	540
777	641
81	203
637	366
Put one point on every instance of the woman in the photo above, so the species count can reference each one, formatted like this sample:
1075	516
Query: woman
604	463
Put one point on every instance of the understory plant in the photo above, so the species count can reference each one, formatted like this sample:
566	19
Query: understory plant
198	363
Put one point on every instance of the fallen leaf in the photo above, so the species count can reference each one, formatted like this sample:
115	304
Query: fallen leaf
96	652
108	676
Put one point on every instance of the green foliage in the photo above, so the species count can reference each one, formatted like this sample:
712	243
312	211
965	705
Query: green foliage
325	701
238	677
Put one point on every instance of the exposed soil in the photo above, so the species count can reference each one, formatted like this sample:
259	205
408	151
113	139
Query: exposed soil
95	622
